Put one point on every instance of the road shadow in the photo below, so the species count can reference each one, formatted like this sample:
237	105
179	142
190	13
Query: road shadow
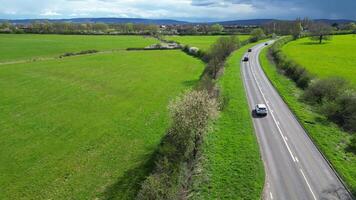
190	83
334	192
255	115
314	43
128	185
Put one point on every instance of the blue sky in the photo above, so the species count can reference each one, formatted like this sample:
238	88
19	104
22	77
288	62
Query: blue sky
190	10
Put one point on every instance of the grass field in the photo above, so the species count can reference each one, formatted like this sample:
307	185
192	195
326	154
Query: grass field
328	137
202	42
85	127
27	46
232	163
332	58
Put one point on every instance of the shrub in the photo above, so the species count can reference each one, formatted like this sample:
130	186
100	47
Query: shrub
256	35
324	90
190	116
291	69
352	146
218	53
343	110
79	53
304	80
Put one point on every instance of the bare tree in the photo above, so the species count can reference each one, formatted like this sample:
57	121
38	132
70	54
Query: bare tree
320	31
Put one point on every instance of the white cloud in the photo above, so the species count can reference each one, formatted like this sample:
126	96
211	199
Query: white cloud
49	13
176	9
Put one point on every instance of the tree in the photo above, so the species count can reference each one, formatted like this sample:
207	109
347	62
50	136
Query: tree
5	25
296	29
257	34
320	31
216	28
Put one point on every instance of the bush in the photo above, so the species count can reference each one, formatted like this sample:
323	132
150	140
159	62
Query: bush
79	53
256	35
191	115
291	69
304	80
324	90
342	110
218	54
352	145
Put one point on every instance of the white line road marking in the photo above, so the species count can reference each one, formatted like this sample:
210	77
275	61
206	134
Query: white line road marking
270	194
307	183
273	117
295	159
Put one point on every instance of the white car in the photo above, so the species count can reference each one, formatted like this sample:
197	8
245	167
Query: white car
261	109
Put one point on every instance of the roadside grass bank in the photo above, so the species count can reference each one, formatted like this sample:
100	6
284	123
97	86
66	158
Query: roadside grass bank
85	127
329	138
231	165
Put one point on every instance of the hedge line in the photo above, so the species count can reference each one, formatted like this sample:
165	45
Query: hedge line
291	69
179	151
333	96
79	53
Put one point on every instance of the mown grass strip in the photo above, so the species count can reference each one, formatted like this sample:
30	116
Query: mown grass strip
232	166
329	138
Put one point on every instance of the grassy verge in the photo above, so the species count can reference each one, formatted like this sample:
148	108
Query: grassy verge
329	138
232	167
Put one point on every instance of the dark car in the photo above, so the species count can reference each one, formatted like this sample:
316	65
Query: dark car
249	50
245	59
266	43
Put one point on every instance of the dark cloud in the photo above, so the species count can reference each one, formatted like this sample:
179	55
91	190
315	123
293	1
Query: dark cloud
310	8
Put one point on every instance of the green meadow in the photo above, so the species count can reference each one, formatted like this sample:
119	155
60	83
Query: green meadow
84	127
202	42
331	58
26	46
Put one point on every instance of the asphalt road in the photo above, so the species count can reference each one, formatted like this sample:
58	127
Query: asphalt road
295	169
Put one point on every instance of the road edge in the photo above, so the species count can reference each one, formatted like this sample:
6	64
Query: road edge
306	131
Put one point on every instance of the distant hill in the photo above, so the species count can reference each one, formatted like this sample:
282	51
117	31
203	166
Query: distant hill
103	20
332	21
164	21
245	22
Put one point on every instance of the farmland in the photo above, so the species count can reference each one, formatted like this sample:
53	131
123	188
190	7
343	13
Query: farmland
332	58
27	46
84	127
202	42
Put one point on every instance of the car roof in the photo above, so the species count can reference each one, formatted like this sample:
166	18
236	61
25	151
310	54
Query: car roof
261	105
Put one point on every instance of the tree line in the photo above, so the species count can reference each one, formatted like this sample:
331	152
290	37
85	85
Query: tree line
318	31
46	27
